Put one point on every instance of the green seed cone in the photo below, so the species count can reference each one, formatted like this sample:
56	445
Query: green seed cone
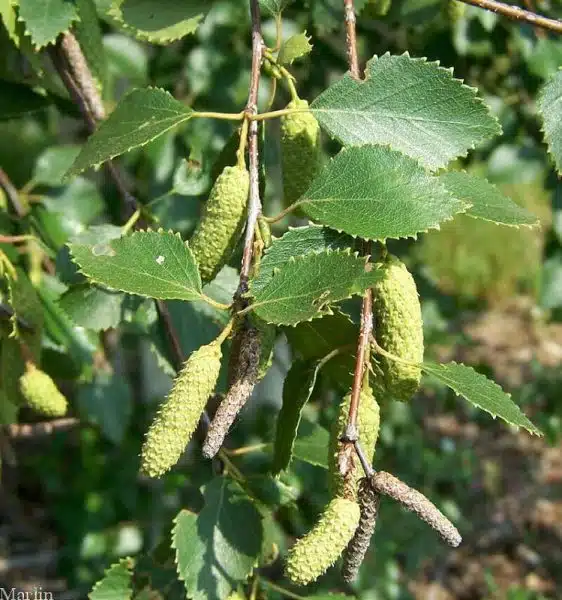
41	393
314	553
178	416
221	223
368	421
300	151
398	330
454	10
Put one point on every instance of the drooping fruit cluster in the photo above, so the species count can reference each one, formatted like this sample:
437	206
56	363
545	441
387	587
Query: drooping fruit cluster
221	224
41	393
300	151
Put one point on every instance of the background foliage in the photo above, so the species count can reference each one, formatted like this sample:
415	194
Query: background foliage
73	500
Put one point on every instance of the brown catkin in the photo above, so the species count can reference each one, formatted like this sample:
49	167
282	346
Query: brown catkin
178	417
243	380
369	502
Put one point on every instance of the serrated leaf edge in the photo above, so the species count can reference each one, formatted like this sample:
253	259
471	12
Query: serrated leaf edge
546	137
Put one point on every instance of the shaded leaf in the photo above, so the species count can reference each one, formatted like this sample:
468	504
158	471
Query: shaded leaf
158	264
140	117
297	389
480	391
93	307
89	35
549	107
274	7
413	105
378	193
45	20
297	242
218	548
18	100
487	201
158	23
295	47
53	163
305	286
312	444
116	583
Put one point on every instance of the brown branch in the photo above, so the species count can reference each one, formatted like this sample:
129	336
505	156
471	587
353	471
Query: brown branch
11	193
254	202
351	38
517	14
387	484
30	430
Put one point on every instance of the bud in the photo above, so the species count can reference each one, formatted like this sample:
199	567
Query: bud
300	151
221	223
243	377
314	553
369	502
398	329
368	420
179	415
41	393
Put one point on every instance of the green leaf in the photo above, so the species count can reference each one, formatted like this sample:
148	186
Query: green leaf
89	35
158	264
274	7
480	391
312	444
9	17
44	20
219	547
305	286
116	583
139	118
93	307
488	202
297	242
549	107
295	47
413	105
297	389
107	403
158	23
377	193
18	100
53	163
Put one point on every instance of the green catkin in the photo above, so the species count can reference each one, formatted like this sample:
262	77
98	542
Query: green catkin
178	416
369	502
300	151
454	10
399	330
41	393
368	421
221	223
319	549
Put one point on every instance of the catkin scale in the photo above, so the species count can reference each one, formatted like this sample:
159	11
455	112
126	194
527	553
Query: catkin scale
41	393
399	330
300	151
369	502
368	421
177	418
221	223
319	549
244	373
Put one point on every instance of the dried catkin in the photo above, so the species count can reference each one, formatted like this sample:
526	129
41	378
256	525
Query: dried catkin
300	151
369	502
399	330
319	549
178	417
41	393
243	380
368	420
221	223
387	484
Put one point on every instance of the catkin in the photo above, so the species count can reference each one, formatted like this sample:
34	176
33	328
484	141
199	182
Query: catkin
399	330
41	393
221	223
319	549
368	421
369	502
244	372
300	151
178	416
454	10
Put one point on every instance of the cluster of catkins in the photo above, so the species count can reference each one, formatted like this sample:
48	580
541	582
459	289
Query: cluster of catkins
347	523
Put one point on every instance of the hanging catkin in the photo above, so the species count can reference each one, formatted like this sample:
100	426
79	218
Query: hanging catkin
369	502
41	393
